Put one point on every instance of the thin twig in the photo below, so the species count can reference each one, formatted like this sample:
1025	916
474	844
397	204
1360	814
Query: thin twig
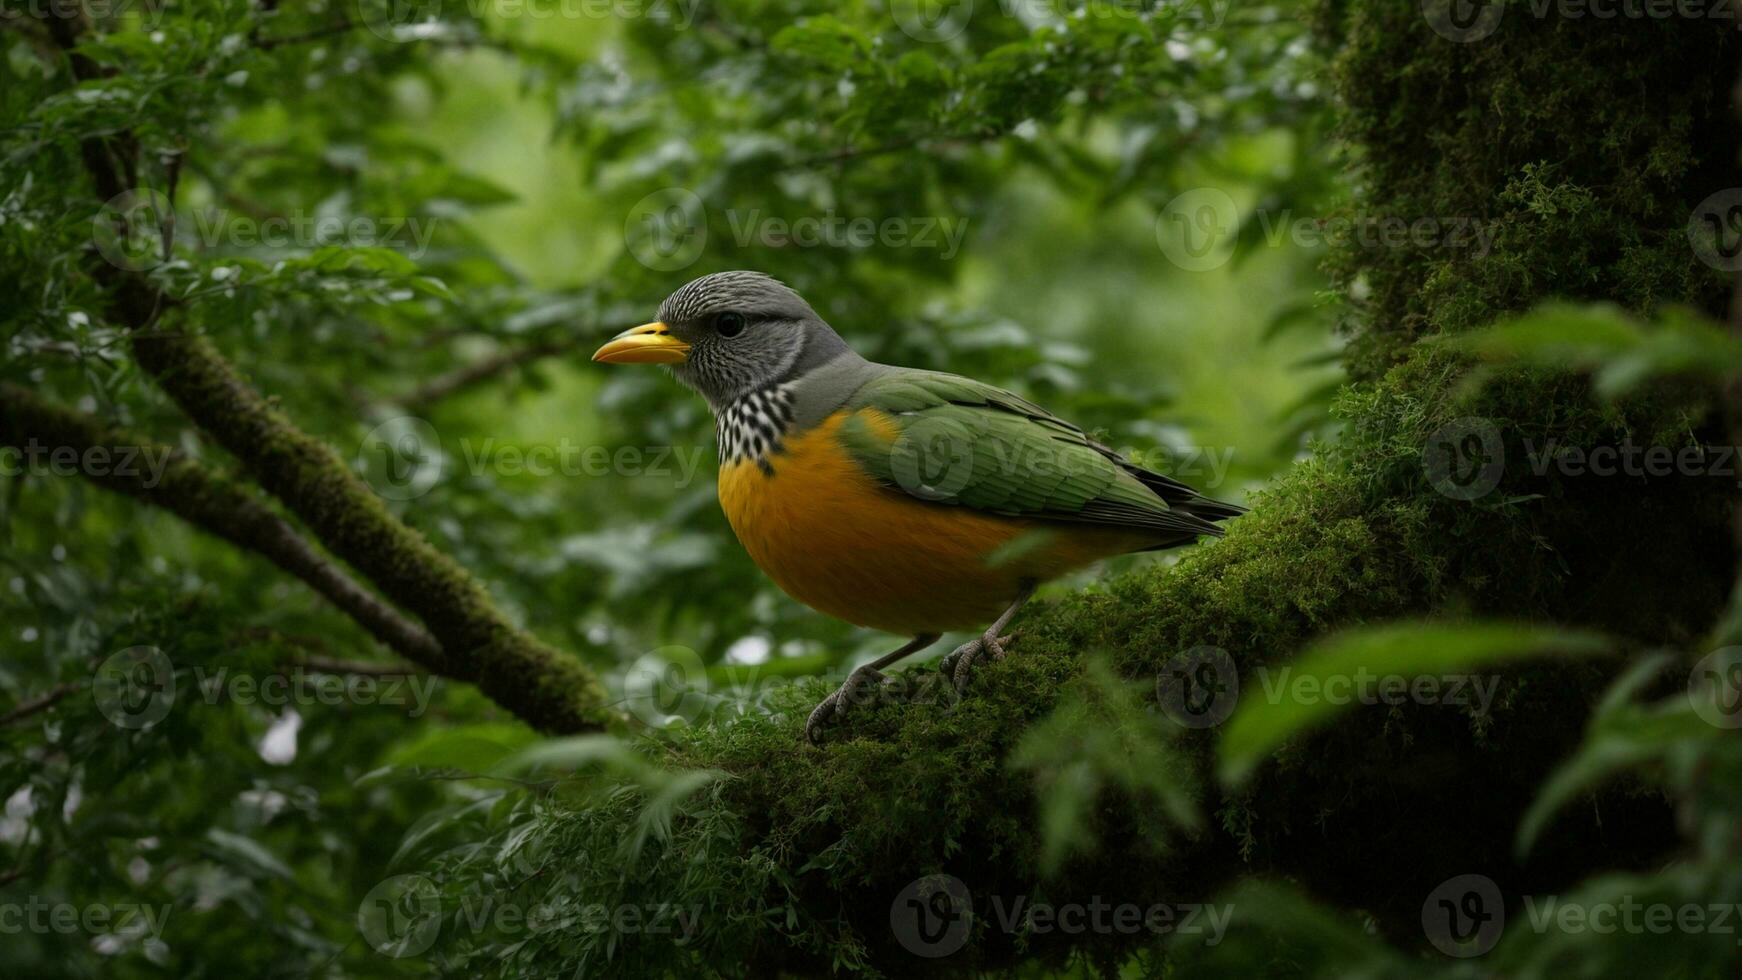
41	702
459	379
319	33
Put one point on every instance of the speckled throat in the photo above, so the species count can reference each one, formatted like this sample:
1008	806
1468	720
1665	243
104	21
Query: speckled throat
751	427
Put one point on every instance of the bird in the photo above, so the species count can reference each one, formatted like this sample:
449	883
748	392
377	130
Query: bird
903	500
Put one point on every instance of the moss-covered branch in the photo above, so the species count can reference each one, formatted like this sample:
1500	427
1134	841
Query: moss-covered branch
547	688
127	463
541	685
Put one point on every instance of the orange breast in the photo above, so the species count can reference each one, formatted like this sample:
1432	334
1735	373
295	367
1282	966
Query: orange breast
838	542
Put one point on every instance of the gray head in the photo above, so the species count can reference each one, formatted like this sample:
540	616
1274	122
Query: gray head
728	334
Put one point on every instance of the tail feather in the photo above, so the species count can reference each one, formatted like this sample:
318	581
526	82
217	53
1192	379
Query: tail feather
1182	497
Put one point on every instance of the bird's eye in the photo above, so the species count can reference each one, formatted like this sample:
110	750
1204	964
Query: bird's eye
729	324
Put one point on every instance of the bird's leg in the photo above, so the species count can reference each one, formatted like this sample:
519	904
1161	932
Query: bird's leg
835	705
961	660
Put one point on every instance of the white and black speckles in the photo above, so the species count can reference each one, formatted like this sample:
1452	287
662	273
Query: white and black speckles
752	426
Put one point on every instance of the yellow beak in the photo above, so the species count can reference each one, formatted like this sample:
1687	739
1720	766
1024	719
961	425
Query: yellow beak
650	343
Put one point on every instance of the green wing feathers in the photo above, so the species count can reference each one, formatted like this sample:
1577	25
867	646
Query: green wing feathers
956	441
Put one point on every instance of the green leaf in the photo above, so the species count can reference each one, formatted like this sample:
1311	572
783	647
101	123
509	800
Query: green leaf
1261	724
574	752
247	851
1102	735
1621	350
1275	924
474	190
473	748
1622	735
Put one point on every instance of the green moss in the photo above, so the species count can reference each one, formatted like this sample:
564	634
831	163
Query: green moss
1583	145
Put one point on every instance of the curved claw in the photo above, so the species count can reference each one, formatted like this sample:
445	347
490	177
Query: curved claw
834	707
960	661
966	655
813	726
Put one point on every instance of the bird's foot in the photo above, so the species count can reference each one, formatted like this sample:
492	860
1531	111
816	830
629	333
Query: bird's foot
958	663
834	707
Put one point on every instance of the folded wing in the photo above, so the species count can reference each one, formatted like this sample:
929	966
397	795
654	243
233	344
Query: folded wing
959	442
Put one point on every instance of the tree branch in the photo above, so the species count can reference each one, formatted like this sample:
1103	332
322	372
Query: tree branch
187	489
459	379
41	702
544	687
